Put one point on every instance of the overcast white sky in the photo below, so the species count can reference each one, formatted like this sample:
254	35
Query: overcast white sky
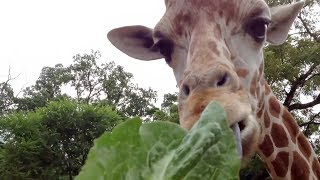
38	33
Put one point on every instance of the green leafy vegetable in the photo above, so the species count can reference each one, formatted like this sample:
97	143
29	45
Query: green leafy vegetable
163	150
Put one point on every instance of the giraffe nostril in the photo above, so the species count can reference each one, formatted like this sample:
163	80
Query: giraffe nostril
223	80
186	90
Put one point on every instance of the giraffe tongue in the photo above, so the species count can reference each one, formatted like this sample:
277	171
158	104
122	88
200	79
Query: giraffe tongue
236	131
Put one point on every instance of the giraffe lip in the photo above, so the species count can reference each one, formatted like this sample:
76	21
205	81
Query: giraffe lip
236	128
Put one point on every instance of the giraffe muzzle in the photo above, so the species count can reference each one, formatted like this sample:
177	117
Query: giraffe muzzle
239	115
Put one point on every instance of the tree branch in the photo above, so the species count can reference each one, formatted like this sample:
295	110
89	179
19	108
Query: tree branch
309	123
305	25
318	1
9	78
296	84
306	105
312	121
312	76
21	89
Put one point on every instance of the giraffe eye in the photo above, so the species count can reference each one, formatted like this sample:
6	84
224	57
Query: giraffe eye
257	28
165	47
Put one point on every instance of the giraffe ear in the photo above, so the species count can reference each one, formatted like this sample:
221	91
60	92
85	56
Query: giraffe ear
282	18
135	41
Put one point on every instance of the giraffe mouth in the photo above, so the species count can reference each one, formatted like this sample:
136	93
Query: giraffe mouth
239	131
246	133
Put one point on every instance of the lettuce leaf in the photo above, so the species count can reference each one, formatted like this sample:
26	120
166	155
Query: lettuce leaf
164	151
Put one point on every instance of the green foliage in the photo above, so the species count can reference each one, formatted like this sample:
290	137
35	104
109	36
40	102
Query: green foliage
285	64
128	98
163	150
254	170
6	97
48	134
107	83
86	76
52	141
169	109
47	88
24	153
110	84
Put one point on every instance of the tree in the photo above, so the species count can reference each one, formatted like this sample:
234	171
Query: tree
92	83
169	109
111	84
23	152
7	97
47	88
73	128
86	77
53	141
48	134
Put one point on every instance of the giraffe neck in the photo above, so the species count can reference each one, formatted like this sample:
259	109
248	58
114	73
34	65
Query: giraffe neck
284	149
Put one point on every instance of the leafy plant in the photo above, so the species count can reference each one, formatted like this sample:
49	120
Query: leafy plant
163	150
52	141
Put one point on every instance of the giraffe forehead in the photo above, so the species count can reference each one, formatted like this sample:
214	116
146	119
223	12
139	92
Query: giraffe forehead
228	7
184	15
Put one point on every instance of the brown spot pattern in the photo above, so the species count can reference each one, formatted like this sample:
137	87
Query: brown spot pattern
213	46
279	136
259	114
304	145
299	169
266	146
281	163
316	167
266	119
242	72
180	21
274	107
253	86
291	125
168	3
229	9
261	102
217	32
258	93
261	68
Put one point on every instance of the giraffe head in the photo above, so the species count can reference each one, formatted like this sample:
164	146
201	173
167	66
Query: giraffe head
214	48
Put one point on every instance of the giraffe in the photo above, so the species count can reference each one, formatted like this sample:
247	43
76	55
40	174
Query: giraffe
215	49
